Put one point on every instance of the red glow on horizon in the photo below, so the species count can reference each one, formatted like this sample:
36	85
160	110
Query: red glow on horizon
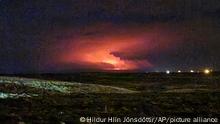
100	52
96	49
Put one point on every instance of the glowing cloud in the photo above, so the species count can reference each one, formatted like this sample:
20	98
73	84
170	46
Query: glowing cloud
110	47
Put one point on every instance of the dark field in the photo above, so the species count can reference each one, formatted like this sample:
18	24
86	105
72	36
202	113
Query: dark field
155	94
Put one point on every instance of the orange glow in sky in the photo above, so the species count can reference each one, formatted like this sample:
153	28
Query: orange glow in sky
110	47
100	53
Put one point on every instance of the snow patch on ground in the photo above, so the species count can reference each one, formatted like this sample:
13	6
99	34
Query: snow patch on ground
14	95
64	87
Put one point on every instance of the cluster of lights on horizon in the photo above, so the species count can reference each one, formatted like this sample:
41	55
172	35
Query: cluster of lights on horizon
205	71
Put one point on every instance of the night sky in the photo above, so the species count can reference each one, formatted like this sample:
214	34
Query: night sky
63	36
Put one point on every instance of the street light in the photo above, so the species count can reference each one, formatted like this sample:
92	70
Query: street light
167	72
207	71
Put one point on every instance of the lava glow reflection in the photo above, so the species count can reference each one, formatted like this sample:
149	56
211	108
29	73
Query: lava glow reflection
110	47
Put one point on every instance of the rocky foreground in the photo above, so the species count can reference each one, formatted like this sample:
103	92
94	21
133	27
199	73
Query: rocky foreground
14	87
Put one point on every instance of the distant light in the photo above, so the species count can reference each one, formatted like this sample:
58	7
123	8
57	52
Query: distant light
207	71
192	71
167	71
179	71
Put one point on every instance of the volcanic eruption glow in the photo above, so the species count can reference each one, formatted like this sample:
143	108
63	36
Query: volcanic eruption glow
110	47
